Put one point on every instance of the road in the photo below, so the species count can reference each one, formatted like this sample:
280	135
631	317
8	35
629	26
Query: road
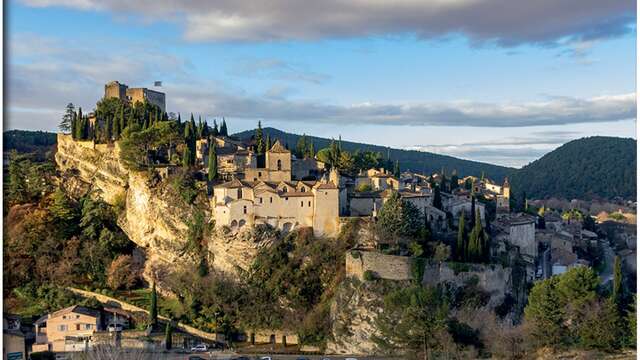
226	356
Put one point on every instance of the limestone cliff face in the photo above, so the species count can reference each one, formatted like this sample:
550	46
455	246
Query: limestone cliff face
152	217
95	164
233	251
353	315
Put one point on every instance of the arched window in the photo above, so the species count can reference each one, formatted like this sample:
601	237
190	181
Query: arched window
244	209
239	193
279	164
302	189
284	188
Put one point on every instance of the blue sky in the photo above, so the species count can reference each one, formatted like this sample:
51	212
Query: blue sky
454	77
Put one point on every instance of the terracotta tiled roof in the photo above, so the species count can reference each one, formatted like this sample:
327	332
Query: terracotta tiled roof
328	185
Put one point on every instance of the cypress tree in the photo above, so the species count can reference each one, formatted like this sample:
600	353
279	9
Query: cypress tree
268	142
214	129
260	145
223	128
461	243
205	130
200	126
473	209
437	198
168	332
179	120
616	291
396	169
213	162
153	310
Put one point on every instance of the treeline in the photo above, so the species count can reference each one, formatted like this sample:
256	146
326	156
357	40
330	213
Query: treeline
410	160
113	116
24	141
588	168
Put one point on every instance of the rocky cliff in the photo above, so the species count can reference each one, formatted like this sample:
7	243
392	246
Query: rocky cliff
152	216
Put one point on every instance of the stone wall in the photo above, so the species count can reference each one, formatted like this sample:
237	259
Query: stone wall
383	266
494	279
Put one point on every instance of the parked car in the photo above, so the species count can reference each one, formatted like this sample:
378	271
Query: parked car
265	358
199	348
114	327
350	359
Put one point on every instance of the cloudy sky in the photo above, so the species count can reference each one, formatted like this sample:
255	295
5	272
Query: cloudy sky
500	81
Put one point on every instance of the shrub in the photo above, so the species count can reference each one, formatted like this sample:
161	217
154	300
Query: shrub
356	254
120	274
370	275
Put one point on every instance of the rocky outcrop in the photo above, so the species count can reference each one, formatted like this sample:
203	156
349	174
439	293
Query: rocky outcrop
152	216
231	251
95	164
354	310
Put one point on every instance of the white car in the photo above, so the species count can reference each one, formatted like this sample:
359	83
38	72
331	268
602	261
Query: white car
265	358
199	348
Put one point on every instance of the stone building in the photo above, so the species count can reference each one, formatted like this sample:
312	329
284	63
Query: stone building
284	205
502	200
115	89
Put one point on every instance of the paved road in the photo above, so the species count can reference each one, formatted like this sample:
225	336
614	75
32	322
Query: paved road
226	356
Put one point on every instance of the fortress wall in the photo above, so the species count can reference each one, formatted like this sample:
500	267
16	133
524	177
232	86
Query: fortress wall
389	267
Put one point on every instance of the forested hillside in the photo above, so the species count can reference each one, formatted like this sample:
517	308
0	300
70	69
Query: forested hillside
418	161
593	167
24	141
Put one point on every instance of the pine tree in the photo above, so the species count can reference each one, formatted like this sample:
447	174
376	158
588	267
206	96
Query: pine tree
67	118
260	145
153	309
461	245
213	161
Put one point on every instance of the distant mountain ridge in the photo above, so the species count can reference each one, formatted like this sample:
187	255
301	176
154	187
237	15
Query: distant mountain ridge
587	168
412	160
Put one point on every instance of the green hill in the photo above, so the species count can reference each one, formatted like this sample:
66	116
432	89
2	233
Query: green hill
417	161
587	168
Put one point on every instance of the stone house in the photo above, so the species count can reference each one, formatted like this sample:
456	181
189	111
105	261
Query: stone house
284	205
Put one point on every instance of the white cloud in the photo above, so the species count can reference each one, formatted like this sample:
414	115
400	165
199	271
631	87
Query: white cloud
505	22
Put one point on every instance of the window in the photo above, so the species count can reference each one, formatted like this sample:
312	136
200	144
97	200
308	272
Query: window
240	193
279	164
301	203
286	198
260	174
309	203
260	200
270	200
244	209
284	189
303	189
62	327
77	326
87	326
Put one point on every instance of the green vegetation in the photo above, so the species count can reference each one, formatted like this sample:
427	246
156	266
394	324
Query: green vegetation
586	168
570	310
398	219
24	141
62	241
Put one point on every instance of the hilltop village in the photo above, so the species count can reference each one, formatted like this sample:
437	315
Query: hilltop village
323	236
